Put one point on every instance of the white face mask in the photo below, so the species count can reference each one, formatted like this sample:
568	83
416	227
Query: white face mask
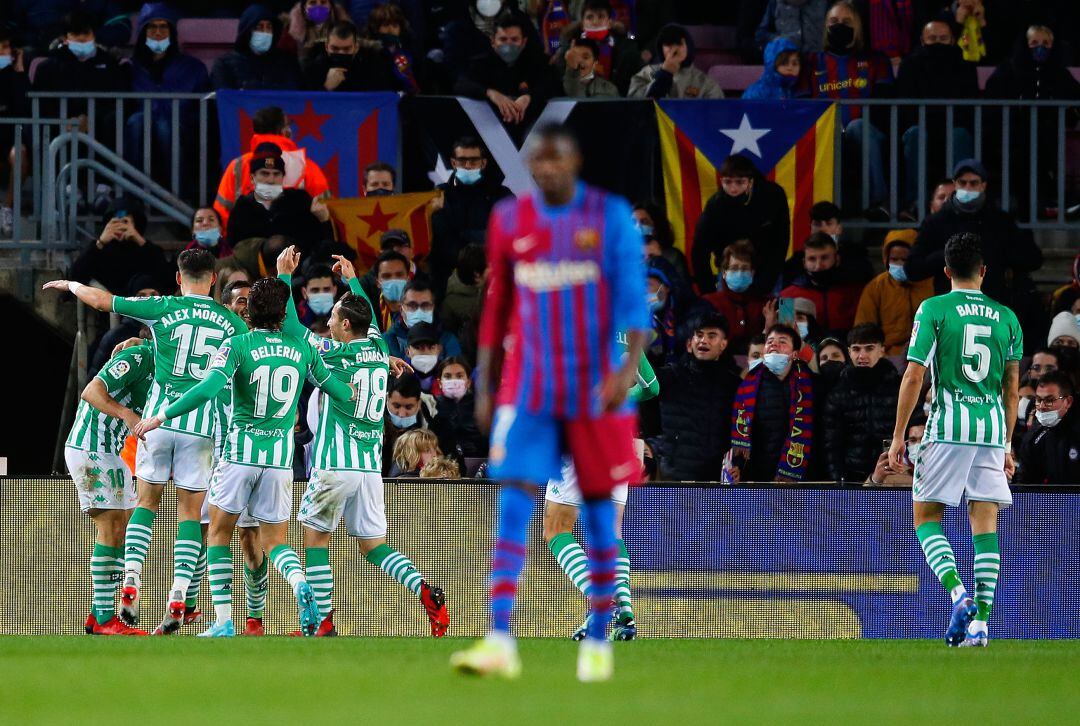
424	363
268	192
777	362
488	8
1048	419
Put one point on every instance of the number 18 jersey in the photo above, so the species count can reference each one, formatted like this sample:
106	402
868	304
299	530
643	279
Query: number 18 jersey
965	339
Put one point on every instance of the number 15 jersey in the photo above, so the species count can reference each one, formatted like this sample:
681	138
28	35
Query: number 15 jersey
966	339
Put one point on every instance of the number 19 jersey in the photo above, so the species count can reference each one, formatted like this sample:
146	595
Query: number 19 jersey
966	339
188	331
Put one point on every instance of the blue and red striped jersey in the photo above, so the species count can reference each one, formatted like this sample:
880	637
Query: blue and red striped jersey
828	75
562	282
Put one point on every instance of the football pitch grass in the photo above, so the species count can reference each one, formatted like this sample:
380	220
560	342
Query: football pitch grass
84	680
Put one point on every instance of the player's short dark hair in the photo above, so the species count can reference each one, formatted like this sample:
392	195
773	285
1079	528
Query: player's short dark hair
512	20
380	166
267	302
268	120
78	22
963	255
417	285
712	319
592	45
737	166
407	385
196	263
229	291
824	211
468	142
318	271
357	311
471	262
866	334
819	241
343	29
389	256
1061	379
785	329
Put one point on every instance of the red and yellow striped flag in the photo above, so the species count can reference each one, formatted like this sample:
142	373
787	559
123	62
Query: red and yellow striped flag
360	222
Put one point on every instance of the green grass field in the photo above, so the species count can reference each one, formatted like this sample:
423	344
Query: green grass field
82	680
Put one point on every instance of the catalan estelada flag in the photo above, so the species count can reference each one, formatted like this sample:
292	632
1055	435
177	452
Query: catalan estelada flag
342	132
360	222
791	142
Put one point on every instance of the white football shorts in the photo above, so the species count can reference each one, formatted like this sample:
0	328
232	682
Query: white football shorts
946	473
355	495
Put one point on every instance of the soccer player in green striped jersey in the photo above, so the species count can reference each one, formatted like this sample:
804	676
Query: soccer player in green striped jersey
267	368
111	404
187	332
972	346
562	500
346	474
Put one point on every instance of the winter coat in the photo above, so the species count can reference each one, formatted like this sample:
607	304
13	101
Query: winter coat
13	104
936	71
771	86
101	74
241	69
1022	78
1051	455
290	215
117	262
460	312
800	22
745	315
695	414
654	82
397	341
859	414
462	420
836	302
891	304
763	219
771	428
462	220
597	87
623	51
38	22
1005	247
530	75
176	72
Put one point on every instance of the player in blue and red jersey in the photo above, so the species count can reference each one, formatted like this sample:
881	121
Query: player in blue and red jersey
566	273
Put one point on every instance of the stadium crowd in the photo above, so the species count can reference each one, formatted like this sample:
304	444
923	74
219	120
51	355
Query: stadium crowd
828	321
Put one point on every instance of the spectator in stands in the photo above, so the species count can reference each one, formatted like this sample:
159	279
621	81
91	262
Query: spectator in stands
935	70
883	474
826	217
456	404
779	75
271	209
462	215
650	220
228	273
513	76
1064	331
580	79
417	307
380	179
755	354
469	36
846	68
772	429
806	325
412	451
1036	72
254	63
391	276
13	87
79	66
831	350
396	240
307	27
741	307
696	394
208	234
675	75
385	48
663	343
460	309
141	285
799	22
121	252
158	66
1050	452
441	467
317	295
410	409
823	283
1005	247
1066	295
340	67
894	25
942	192
890	299
40	22
970	17
1043	361
750	207
269	125
423	351
617	58
861	409
255	257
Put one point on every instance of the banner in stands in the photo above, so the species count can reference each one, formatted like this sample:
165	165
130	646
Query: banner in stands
790	142
342	132
360	222
706	562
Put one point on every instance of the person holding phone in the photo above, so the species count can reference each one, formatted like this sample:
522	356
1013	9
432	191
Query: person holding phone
121	251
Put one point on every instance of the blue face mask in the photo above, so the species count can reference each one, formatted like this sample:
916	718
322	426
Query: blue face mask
418	316
82	51
260	41
738	280
402	422
804	328
776	362
967	196
645	229
897	272
5	61
208	237
392	290
321	303
1040	54
509	52
467	176
157	46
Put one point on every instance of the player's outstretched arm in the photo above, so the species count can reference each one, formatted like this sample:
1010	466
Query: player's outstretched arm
646	386
332	387
97	395
618	384
98	299
205	391
287	262
345	269
910	388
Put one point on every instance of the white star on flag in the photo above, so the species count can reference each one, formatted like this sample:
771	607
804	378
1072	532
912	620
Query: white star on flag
745	137
440	174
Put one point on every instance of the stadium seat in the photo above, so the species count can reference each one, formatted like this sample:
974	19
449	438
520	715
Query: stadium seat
207	38
34	65
732	78
713	45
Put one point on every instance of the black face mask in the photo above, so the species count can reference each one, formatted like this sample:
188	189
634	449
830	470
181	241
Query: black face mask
379	193
840	37
831	370
824	278
340	60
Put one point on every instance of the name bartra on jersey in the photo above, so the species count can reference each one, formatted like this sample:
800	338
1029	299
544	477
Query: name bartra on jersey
979	310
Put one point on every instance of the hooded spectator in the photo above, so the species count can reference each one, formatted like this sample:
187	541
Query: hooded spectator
619	57
1050	451
860	411
743	309
307	26
799	22
823	282
779	75
890	299
662	346
207	233
674	74
255	63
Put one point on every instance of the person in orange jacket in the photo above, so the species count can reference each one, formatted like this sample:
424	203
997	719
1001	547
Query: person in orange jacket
270	124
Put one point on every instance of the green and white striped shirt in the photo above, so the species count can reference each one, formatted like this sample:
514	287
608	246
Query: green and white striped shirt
127	378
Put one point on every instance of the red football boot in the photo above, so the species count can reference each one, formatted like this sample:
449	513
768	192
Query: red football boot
434	600
116	627
254	627
192	615
326	628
